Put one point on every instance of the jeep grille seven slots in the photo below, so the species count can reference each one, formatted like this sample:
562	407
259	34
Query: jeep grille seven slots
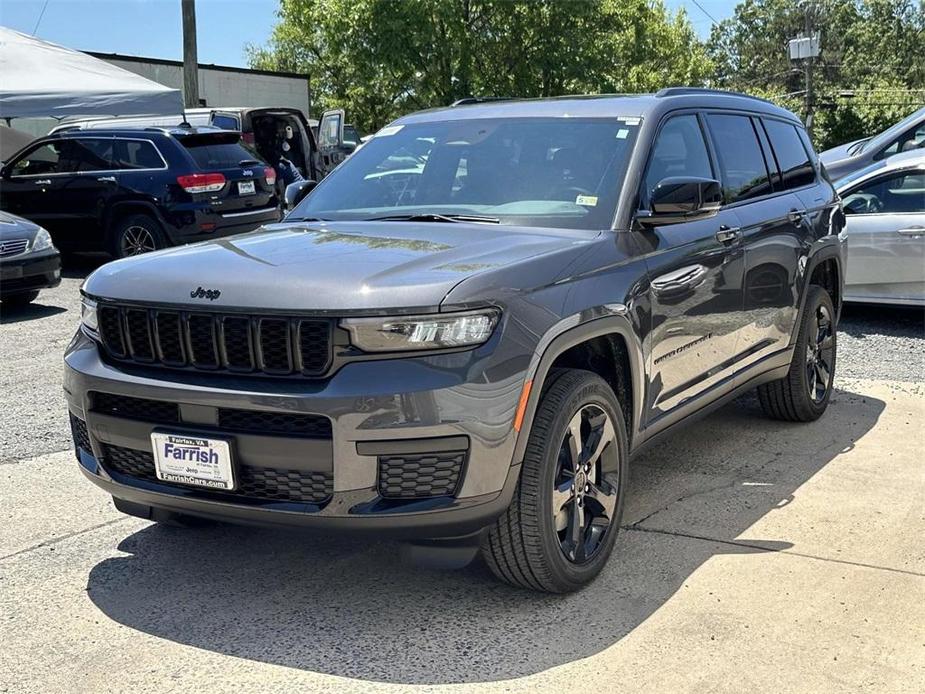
467	329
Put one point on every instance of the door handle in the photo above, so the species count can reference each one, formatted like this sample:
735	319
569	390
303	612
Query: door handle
796	216
728	234
107	179
912	231
43	182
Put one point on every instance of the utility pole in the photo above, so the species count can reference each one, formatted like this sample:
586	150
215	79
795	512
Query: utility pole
808	66
190	58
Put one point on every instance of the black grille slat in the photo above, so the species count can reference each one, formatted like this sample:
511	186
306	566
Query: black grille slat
420	475
109	320
80	434
138	329
275	345
309	426
236	338
202	343
314	346
169	333
272	484
235	343
140	409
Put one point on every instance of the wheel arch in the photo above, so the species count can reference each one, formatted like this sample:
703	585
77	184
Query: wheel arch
123	208
826	269
596	340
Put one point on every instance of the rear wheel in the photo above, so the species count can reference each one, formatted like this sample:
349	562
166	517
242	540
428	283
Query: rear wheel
559	530
134	235
803	394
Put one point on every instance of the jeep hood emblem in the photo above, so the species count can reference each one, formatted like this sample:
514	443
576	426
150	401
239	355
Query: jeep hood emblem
200	293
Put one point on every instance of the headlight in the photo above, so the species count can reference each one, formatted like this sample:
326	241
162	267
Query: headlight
41	241
403	333
88	315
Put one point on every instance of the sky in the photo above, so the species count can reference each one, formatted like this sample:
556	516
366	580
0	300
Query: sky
151	28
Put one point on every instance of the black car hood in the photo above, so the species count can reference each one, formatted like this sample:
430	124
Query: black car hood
327	266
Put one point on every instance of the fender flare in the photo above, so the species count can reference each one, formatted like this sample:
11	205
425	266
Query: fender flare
830	251
565	335
114	210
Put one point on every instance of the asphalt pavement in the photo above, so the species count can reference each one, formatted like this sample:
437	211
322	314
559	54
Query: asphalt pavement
755	555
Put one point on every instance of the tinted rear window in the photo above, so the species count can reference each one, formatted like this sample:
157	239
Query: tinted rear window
741	162
795	167
219	156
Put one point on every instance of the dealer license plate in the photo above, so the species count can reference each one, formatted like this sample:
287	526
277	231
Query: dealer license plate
193	460
246	188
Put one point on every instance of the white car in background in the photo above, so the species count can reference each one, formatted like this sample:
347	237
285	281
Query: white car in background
884	206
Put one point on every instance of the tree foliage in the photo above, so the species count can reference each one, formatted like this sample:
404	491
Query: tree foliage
382	58
871	71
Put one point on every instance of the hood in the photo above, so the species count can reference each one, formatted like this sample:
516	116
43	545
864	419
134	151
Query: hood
13	227
840	152
327	266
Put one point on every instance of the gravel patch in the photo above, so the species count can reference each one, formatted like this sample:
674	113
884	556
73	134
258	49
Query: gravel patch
874	343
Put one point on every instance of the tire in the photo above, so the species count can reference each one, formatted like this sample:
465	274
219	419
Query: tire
803	394
527	546
134	235
20	299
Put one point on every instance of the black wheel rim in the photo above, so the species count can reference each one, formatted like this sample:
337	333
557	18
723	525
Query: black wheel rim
820	353
137	240
584	496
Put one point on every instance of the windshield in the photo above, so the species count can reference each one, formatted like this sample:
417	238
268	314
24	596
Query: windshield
547	172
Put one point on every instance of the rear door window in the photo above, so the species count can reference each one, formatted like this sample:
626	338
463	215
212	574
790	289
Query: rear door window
796	170
136	154
86	154
679	150
225	122
741	163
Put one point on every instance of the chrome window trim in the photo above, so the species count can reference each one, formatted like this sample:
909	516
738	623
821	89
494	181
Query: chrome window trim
97	171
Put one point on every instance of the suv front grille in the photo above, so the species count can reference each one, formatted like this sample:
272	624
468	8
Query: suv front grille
265	483
420	475
217	342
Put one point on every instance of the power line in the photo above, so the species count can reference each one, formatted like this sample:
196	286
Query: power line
712	18
39	20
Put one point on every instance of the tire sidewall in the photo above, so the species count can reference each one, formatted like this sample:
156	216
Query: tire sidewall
589	390
817	297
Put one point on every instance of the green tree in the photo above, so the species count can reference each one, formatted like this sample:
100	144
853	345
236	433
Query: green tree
871	71
381	58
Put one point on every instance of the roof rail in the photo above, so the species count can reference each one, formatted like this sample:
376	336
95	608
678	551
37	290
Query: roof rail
681	91
481	100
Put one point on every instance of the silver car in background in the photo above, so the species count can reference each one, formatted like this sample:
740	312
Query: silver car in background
905	136
885	211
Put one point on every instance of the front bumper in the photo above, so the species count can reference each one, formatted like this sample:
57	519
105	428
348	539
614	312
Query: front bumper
376	419
30	271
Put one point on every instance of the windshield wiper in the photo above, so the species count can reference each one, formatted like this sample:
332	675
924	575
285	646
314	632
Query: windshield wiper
306	219
435	217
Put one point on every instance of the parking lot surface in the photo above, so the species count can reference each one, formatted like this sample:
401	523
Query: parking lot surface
755	555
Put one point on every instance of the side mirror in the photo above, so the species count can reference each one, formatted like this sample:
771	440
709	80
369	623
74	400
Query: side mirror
296	192
682	199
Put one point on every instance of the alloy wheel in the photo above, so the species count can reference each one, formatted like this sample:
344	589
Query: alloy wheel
137	240
584	500
820	350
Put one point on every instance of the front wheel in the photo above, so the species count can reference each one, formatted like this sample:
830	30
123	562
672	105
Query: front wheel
803	394
559	530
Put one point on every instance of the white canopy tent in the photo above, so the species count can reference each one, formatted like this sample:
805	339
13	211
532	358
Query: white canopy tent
41	79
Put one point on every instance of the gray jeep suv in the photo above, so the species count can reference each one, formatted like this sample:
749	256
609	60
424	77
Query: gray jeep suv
463	334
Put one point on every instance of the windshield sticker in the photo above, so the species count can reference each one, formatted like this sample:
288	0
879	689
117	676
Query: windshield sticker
629	120
622	133
389	130
588	200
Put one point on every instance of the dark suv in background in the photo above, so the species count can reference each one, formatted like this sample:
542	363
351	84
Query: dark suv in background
129	191
466	330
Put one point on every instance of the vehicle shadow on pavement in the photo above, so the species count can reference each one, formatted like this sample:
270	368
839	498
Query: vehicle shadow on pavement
17	314
352	609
